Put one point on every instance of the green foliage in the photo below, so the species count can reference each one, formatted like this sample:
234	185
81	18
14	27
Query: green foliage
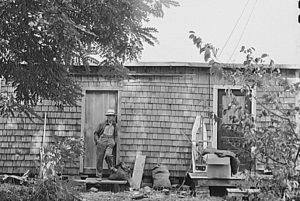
47	189
41	39
210	52
275	142
58	154
50	187
10	107
10	192
54	190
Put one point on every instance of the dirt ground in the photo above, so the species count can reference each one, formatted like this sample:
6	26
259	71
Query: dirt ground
153	196
93	194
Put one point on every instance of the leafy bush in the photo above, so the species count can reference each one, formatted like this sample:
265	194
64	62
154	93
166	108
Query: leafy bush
10	192
273	135
50	187
58	154
52	190
46	189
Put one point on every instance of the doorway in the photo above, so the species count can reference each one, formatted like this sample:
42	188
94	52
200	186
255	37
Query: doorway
95	107
228	137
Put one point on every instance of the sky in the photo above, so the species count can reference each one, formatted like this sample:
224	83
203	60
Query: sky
272	28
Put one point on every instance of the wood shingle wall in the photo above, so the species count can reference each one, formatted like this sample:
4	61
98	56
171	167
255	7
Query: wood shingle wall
21	138
157	110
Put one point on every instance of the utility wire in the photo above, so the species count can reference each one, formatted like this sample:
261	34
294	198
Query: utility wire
236	23
244	29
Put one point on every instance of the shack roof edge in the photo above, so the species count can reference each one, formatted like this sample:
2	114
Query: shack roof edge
198	64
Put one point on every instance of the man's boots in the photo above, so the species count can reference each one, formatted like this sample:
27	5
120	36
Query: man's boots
110	162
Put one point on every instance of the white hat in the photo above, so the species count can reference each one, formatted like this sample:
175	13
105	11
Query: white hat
110	112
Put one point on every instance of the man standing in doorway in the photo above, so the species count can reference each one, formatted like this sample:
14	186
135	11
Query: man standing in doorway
105	138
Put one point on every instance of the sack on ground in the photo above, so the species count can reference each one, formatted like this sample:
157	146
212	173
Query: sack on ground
122	173
160	175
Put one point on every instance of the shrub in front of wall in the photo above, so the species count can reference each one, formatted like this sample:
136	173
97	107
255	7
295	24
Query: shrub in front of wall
10	192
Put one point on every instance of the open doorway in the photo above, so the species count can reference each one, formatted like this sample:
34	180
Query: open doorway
95	106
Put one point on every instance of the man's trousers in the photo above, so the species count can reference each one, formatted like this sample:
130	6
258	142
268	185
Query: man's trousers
105	147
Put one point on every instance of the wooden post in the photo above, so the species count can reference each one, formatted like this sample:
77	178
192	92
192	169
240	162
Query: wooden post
297	116
297	104
42	166
297	119
194	141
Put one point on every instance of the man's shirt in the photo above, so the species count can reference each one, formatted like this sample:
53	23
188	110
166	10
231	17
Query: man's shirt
109	130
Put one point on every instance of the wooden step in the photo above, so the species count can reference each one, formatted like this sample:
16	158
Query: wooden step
202	191
97	181
238	192
114	185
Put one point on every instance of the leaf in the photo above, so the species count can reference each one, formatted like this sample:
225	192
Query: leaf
275	121
202	49
198	42
242	49
248	57
207	55
264	55
195	39
211	62
264	113
192	36
216	71
247	62
257	59
215	51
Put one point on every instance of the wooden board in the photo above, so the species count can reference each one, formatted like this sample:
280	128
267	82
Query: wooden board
200	180
204	176
96	181
199	134
138	171
238	192
195	128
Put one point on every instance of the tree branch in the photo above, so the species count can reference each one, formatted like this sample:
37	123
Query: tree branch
291	126
285	118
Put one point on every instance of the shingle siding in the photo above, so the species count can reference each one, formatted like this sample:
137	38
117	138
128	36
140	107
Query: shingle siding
21	138
155	112
157	108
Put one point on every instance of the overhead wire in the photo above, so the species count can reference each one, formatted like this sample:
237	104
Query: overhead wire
236	23
244	29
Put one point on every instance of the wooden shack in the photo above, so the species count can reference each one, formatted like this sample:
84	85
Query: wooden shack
156	111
